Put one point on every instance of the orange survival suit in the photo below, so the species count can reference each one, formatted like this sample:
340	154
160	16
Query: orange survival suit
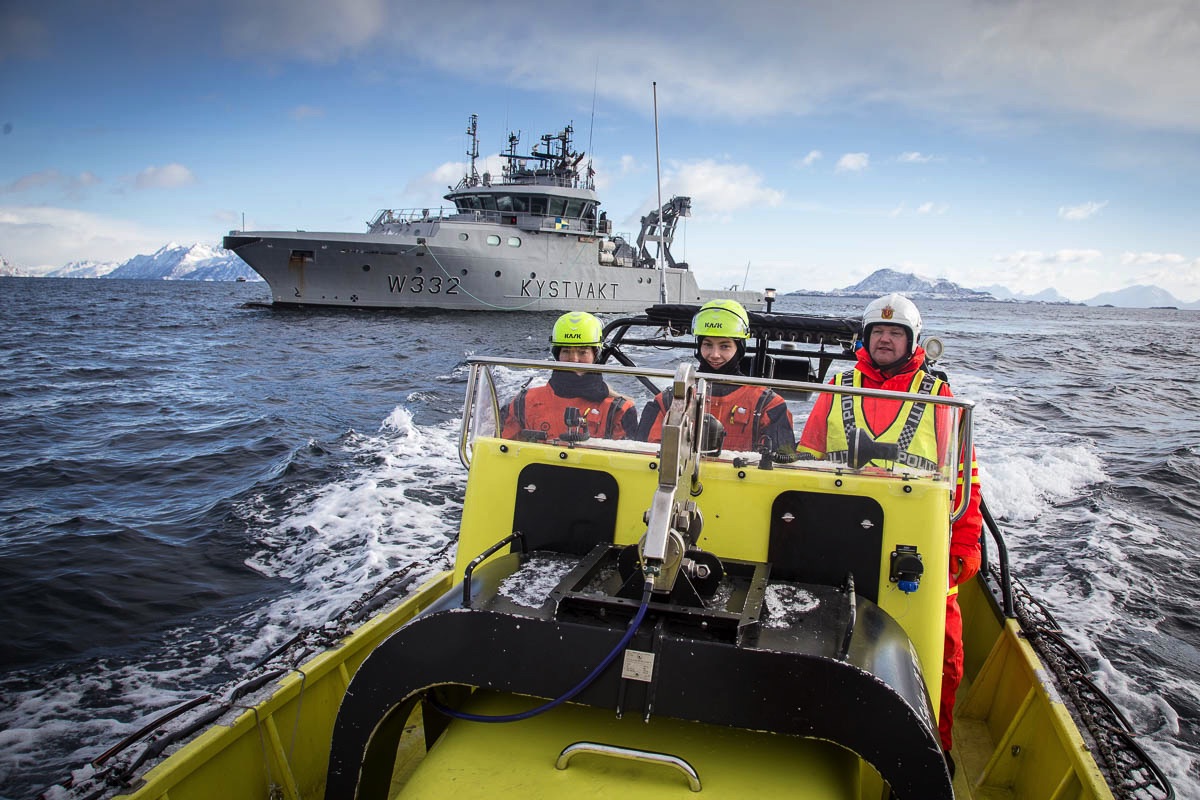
964	536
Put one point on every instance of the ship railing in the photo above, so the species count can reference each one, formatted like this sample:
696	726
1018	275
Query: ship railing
586	226
493	382
401	216
540	179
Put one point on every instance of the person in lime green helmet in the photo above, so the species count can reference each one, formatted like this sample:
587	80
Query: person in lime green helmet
542	413
754	417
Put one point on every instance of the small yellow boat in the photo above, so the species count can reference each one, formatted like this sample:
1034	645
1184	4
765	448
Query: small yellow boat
649	621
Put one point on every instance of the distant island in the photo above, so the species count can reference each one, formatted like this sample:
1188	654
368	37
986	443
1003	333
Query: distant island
202	262
883	281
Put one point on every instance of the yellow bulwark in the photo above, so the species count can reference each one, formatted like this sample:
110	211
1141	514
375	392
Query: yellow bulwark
810	522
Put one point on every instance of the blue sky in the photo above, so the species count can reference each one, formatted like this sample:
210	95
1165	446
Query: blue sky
1031	144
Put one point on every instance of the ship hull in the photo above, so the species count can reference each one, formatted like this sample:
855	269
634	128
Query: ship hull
452	266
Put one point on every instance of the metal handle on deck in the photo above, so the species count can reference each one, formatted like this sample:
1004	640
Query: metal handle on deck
516	536
630	754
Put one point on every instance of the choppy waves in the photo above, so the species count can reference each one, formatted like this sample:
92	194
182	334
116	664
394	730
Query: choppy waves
187	486
1096	482
312	548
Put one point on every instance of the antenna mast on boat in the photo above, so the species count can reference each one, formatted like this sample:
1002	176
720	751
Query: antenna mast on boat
473	132
589	184
662	274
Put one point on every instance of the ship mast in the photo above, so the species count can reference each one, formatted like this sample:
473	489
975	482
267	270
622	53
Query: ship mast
473	132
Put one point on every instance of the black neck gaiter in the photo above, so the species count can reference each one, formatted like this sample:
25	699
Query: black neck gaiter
588	386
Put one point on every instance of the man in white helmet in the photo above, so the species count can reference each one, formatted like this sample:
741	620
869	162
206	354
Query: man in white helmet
892	358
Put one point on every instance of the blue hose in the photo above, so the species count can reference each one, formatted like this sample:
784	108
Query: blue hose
591	676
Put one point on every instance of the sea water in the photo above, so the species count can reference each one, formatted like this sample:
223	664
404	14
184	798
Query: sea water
187	478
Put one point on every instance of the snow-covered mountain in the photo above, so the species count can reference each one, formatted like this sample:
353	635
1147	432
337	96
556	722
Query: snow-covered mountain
1139	297
10	270
84	269
1045	296
883	281
174	262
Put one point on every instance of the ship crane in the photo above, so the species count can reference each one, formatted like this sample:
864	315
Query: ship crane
659	226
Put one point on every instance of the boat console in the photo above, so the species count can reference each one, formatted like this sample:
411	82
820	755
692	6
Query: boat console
667	581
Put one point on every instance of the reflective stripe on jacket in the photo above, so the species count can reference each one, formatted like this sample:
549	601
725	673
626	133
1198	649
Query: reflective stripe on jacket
912	429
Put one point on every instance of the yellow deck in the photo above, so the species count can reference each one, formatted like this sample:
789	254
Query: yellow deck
1015	738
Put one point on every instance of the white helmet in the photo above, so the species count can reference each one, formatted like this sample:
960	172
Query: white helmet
893	309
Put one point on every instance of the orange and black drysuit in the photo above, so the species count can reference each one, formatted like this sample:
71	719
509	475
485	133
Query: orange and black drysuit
825	435
544	408
754	417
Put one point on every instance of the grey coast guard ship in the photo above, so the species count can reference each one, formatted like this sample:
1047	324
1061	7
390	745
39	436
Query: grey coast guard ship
532	240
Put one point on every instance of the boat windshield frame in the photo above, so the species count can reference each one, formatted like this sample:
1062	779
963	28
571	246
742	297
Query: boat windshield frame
483	403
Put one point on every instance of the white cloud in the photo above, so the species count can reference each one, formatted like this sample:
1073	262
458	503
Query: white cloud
1076	274
853	162
813	157
1080	212
968	61
1172	271
925	208
50	179
428	189
914	158
313	30
719	188
1036	257
169	177
43	236
1152	259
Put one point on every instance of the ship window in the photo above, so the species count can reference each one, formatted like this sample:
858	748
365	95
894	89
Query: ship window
520	203
514	241
493	240
462	237
300	257
537	205
488	202
558	206
504	202
574	208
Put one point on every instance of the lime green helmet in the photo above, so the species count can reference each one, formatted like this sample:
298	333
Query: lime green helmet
576	329
724	319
